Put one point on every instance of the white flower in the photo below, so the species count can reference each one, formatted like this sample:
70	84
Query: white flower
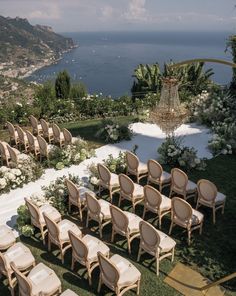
4	169
10	176
224	151
197	160
3	183
16	172
94	180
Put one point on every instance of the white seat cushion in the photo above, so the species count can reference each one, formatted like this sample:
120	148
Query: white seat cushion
51	212
68	292
165	203
66	225
165	177
43	279
166	242
138	191
105	209
220	198
20	255
95	245
7	237
197	217
142	168
129	274
134	221
191	186
114	180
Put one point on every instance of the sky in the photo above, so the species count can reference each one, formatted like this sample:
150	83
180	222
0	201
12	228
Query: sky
126	15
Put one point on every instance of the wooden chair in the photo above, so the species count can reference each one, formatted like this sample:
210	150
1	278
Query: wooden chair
41	280
14	138
107	180
22	257
125	224
118	274
5	155
36	127
47	131
77	197
134	167
155	243
33	143
58	234
156	202
22	138
185	216
16	156
68	137
37	218
44	148
7	238
181	185
84	251
98	210
58	135
156	175
130	191
209	196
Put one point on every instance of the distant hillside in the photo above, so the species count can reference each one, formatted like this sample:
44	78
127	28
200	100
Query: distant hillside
24	48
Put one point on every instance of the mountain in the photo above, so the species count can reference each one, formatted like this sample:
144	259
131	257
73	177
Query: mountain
24	47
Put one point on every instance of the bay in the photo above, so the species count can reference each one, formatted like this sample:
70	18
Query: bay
105	61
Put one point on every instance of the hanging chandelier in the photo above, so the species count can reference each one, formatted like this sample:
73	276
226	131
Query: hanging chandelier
169	114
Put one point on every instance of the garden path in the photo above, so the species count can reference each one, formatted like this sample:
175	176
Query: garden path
148	137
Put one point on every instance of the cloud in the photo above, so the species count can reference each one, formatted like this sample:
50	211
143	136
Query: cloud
107	12
136	11
49	11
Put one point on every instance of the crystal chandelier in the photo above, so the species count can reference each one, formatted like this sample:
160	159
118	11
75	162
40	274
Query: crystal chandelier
169	114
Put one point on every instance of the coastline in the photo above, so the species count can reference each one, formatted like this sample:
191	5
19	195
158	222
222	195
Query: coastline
42	64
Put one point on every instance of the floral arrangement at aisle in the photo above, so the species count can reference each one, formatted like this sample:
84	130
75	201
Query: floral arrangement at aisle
218	111
112	132
115	165
26	171
174	154
56	193
70	154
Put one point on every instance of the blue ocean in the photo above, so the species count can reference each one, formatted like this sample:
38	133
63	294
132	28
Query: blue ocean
105	61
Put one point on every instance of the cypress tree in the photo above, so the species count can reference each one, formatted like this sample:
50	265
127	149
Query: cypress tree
62	85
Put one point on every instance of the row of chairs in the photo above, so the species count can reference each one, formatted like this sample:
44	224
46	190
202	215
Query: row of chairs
37	145
10	155
87	250
18	265
205	191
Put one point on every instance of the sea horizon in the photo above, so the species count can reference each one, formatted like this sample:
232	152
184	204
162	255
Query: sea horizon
105	60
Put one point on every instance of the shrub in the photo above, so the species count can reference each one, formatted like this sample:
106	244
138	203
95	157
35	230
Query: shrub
70	154
57	193
78	90
23	221
174	154
26	171
112	132
62	85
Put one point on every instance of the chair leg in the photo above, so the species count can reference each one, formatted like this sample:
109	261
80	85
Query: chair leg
214	215
49	243
69	206
80	214
189	236
138	287
144	212
87	220
100	229
170	193
89	274
173	255
110	194
200	231
223	208
112	235
99	283
119	200
159	218
72	263
128	244
157	266
160	187
171	226
139	252
62	255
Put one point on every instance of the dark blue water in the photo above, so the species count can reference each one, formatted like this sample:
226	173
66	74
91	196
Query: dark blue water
105	61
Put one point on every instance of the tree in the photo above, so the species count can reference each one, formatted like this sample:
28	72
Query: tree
62	85
232	44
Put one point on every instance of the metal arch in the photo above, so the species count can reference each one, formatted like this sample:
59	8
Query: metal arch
186	62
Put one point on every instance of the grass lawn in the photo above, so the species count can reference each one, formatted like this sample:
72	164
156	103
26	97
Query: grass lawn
212	253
